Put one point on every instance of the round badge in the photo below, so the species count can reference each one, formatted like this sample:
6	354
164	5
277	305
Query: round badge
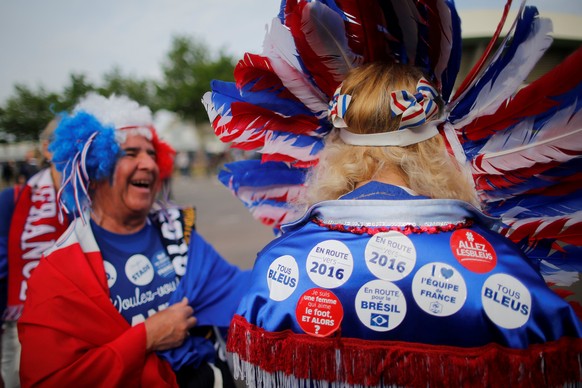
507	302
110	273
319	312
282	277
329	264
139	270
473	251
390	256
380	305
439	289
163	265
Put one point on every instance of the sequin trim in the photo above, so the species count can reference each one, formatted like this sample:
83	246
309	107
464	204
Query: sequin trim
408	229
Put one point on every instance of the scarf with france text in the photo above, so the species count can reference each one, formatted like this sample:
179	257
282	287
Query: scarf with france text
34	228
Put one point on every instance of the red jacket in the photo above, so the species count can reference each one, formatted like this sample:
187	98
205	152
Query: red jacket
71	334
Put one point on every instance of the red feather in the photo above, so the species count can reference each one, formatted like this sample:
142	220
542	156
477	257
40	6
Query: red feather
530	101
472	75
440	35
246	116
488	182
366	29
255	67
248	124
503	180
542	229
435	35
287	159
324	75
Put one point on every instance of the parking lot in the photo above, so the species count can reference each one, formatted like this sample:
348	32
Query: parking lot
222	219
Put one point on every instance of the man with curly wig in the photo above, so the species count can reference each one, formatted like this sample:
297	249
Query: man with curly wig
107	306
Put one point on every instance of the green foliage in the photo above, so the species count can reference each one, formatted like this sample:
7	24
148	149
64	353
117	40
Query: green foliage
187	71
78	87
27	113
142	91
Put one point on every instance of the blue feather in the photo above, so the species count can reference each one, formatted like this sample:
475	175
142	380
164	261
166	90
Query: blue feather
271	99
521	34
258	174
538	205
551	178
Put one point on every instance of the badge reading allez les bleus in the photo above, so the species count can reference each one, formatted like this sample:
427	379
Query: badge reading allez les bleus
473	251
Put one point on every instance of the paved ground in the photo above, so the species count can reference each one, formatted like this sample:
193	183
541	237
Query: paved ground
222	219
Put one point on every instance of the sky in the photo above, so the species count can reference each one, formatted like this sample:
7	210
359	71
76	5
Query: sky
43	41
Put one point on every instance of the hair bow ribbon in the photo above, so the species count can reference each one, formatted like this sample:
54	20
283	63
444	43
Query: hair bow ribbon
338	107
416	108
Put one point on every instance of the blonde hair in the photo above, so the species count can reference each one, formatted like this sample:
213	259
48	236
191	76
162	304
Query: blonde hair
426	167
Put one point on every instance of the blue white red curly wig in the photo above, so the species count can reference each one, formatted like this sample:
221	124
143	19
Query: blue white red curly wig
87	144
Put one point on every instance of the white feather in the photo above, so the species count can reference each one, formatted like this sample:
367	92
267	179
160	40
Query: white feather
209	106
284	145
542	223
279	47
555	275
493	94
522	147
253	194
279	214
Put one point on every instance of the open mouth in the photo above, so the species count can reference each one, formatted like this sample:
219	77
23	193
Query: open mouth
144	184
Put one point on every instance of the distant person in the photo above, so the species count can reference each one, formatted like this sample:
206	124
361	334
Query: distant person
183	163
29	224
8	172
28	167
106	305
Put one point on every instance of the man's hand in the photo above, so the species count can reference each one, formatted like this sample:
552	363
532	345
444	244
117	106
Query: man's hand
167	329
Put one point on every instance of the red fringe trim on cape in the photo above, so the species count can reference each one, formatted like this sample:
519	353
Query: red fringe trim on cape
368	363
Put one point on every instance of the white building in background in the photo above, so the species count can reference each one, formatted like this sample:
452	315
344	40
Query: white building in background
17	151
181	135
478	26
198	150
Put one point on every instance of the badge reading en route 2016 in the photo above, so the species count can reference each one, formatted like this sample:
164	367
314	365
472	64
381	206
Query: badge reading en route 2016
319	312
473	251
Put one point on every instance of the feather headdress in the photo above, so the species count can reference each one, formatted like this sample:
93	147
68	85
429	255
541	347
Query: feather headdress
278	103
521	144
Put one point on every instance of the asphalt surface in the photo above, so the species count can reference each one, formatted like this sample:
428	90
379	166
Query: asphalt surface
222	219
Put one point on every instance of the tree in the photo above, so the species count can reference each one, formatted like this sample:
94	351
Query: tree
78	87
27	113
188	70
142	91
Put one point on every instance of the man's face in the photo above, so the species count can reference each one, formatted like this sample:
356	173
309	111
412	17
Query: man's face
135	182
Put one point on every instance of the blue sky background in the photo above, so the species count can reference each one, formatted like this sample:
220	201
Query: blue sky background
43	41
